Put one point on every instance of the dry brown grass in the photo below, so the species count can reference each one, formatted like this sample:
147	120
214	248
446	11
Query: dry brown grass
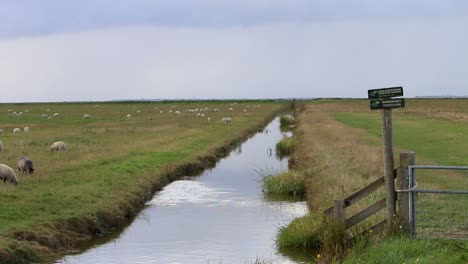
336	159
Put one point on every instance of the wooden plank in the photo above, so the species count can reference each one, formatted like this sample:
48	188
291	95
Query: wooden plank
406	158
355	197
375	229
365	213
389	164
338	211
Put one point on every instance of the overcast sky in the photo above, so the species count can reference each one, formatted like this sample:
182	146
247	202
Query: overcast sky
55	50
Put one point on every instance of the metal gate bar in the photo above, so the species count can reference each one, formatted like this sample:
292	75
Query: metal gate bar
412	184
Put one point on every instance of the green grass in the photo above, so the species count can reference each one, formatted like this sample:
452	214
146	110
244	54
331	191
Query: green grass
442	141
285	147
402	249
111	165
302	232
290	183
286	121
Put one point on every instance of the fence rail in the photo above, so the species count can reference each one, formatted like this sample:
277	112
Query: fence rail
338	210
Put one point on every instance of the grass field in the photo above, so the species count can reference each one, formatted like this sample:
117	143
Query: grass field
338	149
112	164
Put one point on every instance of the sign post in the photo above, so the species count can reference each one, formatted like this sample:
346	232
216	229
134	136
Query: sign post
381	99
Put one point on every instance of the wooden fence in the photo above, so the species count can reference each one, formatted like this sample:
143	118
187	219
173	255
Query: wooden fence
338	210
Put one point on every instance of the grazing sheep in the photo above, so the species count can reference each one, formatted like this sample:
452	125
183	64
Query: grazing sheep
8	174
161	111
56	114
245	110
26	129
227	120
26	110
177	112
215	110
1	146
129	116
25	165
44	115
1	132
16	131
138	111
86	116
58	145
230	109
209	119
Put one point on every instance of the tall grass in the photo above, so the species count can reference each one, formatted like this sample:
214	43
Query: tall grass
290	183
285	147
286	121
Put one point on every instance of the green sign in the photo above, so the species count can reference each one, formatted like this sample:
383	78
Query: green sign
385	92
377	104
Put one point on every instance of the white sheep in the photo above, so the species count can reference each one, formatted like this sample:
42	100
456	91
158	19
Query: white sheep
26	129
230	109
227	120
177	112
86	116
215	110
58	145
245	110
1	146
129	116
16	130
44	115
161	111
26	110
8	174
1	132
56	114
138	111
209	119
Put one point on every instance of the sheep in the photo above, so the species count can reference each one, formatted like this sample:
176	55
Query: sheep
44	115
227	120
56	114
177	112
26	129
16	131
129	116
58	145
25	165
138	111
245	110
215	110
161	111
230	109
209	119
1	146
1	132
85	116
8	174
26	110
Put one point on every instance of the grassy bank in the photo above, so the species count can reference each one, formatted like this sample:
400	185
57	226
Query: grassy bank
339	151
112	166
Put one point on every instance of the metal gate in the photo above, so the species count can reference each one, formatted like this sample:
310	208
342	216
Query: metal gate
438	213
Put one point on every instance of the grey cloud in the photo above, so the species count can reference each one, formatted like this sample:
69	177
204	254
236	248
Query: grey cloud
427	57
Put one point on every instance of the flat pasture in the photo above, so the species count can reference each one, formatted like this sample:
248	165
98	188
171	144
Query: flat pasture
114	160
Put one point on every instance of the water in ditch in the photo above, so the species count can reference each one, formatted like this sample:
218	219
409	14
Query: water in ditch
221	216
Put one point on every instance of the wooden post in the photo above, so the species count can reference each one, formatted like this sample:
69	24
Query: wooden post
407	158
389	165
339	211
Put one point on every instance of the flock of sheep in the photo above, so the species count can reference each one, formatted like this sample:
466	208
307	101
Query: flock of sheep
25	165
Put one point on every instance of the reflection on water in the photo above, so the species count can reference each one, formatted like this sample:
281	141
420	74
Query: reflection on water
222	216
